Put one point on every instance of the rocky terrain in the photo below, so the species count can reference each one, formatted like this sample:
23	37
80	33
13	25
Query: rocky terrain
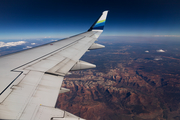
128	84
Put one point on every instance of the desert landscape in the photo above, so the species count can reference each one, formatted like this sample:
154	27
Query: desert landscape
132	81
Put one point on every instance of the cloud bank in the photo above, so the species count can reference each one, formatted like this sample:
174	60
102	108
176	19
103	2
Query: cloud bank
166	35
10	44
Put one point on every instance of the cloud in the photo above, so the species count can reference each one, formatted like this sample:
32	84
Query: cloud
166	35
160	50
27	47
53	40
48	37
33	43
147	51
157	58
10	44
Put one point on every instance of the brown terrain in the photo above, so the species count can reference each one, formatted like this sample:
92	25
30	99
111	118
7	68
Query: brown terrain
128	85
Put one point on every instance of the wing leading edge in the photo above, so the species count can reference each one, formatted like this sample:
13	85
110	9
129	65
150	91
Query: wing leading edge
30	80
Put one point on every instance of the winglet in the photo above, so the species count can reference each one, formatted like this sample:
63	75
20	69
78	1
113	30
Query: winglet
99	24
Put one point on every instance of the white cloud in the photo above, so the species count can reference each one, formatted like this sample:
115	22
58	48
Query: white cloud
48	37
157	58
147	51
33	43
9	44
53	40
27	47
166	35
160	50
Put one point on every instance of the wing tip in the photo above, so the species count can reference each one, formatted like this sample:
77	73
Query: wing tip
100	22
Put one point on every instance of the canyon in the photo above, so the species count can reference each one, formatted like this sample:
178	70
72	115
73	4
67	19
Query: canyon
127	85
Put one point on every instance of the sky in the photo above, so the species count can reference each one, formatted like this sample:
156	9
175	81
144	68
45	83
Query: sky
33	19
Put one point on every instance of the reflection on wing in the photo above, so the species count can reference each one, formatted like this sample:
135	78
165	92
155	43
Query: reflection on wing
30	80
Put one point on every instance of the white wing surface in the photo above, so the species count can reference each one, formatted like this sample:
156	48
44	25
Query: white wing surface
30	80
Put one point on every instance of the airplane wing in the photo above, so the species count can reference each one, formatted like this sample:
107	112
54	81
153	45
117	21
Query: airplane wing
30	80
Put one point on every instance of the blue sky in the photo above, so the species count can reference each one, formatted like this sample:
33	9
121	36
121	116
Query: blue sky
24	19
